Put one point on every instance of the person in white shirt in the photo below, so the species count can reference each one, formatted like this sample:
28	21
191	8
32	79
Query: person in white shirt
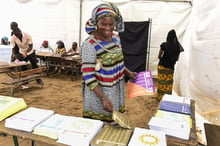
22	43
74	50
45	47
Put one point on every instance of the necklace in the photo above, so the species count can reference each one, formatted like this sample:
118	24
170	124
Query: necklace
103	47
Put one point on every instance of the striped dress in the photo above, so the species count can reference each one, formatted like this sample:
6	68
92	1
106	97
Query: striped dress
109	77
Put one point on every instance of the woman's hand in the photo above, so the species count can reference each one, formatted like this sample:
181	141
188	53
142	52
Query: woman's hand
107	104
131	75
24	55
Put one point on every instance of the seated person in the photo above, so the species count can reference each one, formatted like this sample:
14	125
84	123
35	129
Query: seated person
22	45
74	50
4	41
60	48
45	47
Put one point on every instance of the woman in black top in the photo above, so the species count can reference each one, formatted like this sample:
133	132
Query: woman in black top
168	55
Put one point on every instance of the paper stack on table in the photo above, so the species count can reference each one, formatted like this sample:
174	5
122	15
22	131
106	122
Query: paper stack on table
10	105
27	119
173	116
117	135
176	104
170	127
112	136
121	119
52	126
176	99
79	131
146	137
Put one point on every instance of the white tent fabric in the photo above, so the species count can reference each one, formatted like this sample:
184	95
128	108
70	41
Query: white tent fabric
197	71
50	20
55	20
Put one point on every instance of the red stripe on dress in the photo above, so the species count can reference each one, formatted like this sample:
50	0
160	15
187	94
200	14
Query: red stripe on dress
109	79
92	41
88	69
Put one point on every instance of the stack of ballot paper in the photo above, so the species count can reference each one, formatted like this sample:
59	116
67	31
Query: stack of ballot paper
176	99
52	126
174	116
112	136
79	131
27	119
176	104
10	105
146	137
121	119
180	129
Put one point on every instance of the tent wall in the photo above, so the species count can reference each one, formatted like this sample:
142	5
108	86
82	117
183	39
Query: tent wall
199	67
54	20
50	20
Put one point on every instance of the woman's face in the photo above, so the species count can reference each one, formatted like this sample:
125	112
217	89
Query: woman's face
106	26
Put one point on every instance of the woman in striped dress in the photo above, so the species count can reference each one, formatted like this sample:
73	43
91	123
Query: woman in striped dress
103	65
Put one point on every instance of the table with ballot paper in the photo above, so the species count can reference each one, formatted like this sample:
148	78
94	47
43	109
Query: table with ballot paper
46	126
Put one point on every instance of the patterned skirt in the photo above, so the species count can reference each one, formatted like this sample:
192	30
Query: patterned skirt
165	81
92	106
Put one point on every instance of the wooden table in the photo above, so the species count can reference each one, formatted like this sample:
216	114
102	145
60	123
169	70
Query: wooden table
42	56
9	67
26	135
171	141
66	62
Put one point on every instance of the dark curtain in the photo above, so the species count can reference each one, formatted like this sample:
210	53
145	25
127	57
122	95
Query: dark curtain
134	41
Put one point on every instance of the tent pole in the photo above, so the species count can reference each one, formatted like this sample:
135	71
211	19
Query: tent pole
80	22
148	47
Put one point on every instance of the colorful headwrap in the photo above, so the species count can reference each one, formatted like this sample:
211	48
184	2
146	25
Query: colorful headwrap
103	10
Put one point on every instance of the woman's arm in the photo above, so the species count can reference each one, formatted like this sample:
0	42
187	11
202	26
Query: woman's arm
130	74
30	48
160	55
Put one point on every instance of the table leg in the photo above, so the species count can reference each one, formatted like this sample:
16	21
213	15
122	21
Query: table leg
33	143
3	134
15	139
